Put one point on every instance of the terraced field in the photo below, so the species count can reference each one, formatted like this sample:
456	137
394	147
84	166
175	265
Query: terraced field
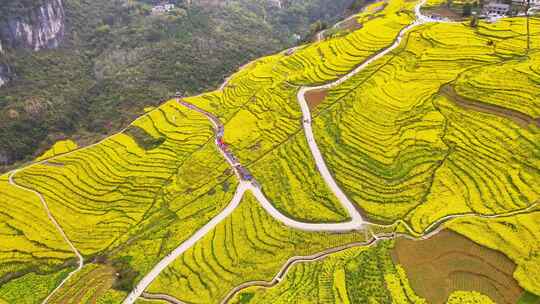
108	188
87	286
248	246
32	253
261	114
444	127
516	237
31	288
449	262
119	198
385	146
357	275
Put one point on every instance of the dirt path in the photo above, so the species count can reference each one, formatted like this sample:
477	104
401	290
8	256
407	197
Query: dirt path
291	262
161	297
522	119
429	232
58	227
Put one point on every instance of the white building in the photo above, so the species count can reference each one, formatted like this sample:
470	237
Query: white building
496	8
162	9
524	2
276	3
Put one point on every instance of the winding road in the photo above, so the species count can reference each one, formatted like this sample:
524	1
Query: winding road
250	184
247	183
161	298
356	222
166	261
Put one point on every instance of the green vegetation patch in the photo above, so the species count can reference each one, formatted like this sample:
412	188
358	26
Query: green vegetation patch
143	139
355	275
528	298
32	288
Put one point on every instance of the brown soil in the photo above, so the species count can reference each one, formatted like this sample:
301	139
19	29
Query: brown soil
350	25
448	262
315	97
53	164
519	118
96	282
255	147
443	11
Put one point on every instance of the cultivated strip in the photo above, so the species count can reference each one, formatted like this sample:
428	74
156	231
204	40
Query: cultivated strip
430	232
166	261
58	227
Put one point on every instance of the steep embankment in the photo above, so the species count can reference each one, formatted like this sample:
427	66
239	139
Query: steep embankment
29	25
34	27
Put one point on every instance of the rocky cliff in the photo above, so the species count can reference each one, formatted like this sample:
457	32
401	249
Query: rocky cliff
33	25
5	74
38	27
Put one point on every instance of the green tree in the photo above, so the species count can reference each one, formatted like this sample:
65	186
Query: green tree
474	20
467	10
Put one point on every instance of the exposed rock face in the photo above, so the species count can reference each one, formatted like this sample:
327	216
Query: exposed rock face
5	74
40	28
4	69
4	158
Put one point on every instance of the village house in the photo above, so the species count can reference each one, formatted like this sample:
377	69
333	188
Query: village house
534	3
519	6
162	8
496	8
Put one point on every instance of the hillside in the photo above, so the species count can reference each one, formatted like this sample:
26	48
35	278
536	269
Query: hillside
88	68
394	161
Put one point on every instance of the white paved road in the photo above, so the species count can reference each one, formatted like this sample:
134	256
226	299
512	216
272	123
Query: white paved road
356	221
165	262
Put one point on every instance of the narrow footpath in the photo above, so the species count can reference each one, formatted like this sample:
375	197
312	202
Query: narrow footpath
58	227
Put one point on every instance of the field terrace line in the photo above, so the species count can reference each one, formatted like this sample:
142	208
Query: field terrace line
248	183
60	230
247	178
